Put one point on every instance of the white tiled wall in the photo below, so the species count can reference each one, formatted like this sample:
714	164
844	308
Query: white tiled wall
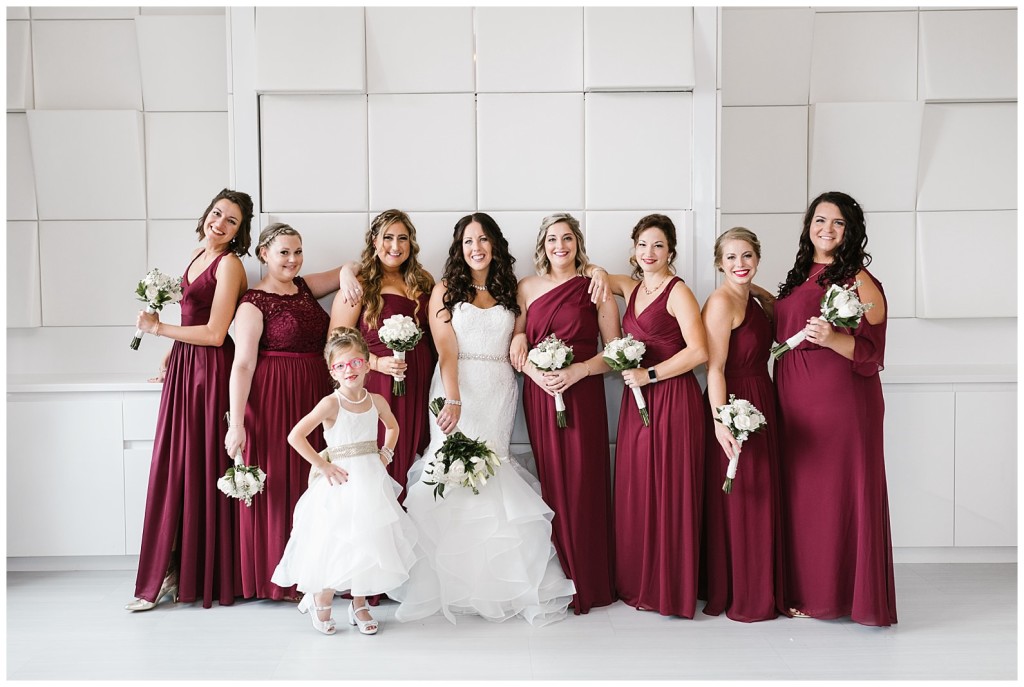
419	50
19	63
186	160
310	49
771	69
968	55
764	159
638	49
529	49
196	79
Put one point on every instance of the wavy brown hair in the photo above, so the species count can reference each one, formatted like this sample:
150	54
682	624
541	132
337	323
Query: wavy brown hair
540	254
849	257
243	238
417	280
501	279
667	227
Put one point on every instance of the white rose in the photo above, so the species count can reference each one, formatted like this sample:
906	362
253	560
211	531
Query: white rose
560	356
543	360
631	352
848	309
743	423
225	486
251	483
457	471
152	291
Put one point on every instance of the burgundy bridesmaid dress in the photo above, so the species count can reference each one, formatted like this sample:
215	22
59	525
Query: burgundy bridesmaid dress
410	409
185	512
834	499
659	475
742	556
573	463
290	379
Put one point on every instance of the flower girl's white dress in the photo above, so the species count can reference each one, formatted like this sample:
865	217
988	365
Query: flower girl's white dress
352	536
492	551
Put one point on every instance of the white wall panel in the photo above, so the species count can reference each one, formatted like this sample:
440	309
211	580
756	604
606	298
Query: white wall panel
434	232
960	275
18	13
919	466
520	230
968	157
423	151
86	65
766	56
23	308
868	150
764	159
88	164
419	50
83	282
196	78
609	244
97	350
638	150
892	245
310	48
19	66
182	10
969	55
530	150
186	161
529	49
71	12
779	235
951	340
864	56
21	187
313	153
169	247
986	468
638	48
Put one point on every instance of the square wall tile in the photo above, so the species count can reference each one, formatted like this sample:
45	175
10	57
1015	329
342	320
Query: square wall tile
948	247
196	79
23	309
609	244
530	150
968	157
18	13
779	235
86	65
968	55
186	161
638	150
169	247
766	55
88	164
892	245
434	234
869	150
529	49
70	253
313	150
520	230
310	49
182	10
638	48
84	12
423	152
19	66
764	159
419	50
864	57
21	185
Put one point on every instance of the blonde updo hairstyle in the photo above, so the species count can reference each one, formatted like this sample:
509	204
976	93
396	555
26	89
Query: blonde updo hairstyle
735	234
540	255
341	339
271	232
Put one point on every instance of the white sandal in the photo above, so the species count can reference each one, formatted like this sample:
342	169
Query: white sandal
325	626
366	627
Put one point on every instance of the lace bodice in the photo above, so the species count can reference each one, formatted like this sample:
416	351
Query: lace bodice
483	333
295	323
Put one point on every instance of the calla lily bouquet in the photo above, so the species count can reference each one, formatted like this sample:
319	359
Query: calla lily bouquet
549	355
400	334
840	307
625	353
460	461
156	290
742	419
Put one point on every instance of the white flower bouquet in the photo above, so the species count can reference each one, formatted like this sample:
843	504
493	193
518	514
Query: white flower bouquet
549	355
242	481
840	306
461	461
155	290
625	353
400	334
742	419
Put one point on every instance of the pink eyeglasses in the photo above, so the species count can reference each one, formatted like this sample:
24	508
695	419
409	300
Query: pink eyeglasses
355	364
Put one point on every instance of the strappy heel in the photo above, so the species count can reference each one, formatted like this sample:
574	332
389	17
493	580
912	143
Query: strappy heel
308	603
168	586
366	627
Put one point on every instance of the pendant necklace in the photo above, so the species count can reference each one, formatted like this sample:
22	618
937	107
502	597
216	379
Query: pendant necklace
650	291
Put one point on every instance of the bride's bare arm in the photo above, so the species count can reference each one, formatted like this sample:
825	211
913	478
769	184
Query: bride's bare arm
447	359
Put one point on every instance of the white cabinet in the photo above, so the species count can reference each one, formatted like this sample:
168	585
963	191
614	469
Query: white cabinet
136	483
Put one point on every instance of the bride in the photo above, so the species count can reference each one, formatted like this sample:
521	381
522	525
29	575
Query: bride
492	552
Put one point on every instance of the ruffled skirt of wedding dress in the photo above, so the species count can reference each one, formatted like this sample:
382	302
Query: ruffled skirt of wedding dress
492	551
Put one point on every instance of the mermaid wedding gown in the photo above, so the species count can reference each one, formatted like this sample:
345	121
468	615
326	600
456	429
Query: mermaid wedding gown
492	551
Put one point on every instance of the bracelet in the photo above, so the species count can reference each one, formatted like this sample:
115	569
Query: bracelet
387	452
595	268
586	367
157	332
237	426
452	402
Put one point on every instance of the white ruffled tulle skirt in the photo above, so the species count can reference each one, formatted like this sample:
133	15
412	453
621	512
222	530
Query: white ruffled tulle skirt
491	552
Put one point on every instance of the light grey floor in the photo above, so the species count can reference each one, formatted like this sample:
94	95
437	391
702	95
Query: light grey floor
957	621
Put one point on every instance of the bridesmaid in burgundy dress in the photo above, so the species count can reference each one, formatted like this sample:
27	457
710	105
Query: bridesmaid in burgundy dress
659	470
277	378
742	553
393	282
189	546
834	498
573	463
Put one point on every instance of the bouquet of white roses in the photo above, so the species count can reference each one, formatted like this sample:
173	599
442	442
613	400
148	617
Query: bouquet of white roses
156	290
741	418
242	481
625	354
840	306
461	461
400	334
549	355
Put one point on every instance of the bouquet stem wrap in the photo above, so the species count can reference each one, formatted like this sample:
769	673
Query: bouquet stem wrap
550	355
400	334
137	339
641	404
398	385
730	472
742	419
625	353
560	410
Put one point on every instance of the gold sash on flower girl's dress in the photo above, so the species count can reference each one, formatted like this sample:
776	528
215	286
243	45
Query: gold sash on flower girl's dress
332	454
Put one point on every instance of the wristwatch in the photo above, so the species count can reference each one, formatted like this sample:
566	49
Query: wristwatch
651	375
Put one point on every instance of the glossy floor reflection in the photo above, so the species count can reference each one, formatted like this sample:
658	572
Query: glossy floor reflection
957	621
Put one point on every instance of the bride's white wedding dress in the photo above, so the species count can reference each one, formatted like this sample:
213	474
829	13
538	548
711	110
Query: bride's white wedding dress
492	551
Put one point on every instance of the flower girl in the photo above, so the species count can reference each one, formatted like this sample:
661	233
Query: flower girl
348	531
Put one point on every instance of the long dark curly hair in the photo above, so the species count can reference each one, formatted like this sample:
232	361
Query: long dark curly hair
243	239
849	257
417	280
501	279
